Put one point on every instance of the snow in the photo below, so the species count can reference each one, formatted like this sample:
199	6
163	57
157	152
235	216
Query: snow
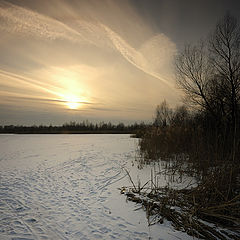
66	187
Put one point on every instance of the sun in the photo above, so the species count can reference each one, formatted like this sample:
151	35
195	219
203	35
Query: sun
72	102
73	105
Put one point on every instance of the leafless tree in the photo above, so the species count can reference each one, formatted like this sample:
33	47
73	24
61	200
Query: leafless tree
162	115
193	72
200	69
224	47
209	74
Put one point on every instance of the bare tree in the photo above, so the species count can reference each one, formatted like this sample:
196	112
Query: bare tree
224	47
210	77
162	115
193	72
225	58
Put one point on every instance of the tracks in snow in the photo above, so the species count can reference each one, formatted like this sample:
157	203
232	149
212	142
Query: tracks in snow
65	200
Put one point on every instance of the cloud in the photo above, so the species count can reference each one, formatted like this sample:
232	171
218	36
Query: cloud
138	58
102	53
38	99
22	81
159	52
19	20
25	22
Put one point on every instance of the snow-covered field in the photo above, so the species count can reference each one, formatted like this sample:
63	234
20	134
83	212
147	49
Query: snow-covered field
65	187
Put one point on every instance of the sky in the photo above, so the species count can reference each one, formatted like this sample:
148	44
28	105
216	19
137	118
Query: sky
101	60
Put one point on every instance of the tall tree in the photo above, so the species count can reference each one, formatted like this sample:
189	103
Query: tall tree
193	72
210	76
224	47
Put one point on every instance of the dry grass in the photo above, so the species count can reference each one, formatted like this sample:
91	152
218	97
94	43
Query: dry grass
186	210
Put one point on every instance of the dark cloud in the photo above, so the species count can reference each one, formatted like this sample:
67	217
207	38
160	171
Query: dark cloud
185	20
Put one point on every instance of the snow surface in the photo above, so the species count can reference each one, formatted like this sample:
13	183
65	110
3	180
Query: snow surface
66	187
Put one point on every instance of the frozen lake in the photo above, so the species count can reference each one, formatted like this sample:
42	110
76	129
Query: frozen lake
65	187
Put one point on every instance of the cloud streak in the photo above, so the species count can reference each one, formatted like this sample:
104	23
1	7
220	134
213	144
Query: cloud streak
43	86
18	20
101	55
133	56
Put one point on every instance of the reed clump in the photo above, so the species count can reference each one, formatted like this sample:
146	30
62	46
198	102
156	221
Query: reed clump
193	148
190	209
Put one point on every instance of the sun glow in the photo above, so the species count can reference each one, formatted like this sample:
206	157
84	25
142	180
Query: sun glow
73	105
72	102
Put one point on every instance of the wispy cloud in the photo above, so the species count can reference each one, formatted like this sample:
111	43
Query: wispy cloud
101	57
137	58
28	23
19	20
24	81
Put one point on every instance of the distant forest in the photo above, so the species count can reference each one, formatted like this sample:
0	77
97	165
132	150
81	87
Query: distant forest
75	128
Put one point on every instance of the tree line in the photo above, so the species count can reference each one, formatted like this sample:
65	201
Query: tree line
75	127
